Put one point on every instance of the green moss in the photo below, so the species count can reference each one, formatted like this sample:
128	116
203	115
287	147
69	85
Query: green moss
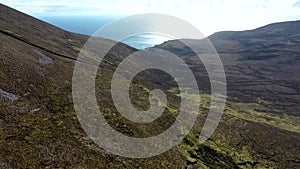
203	155
76	48
2	75
261	101
284	122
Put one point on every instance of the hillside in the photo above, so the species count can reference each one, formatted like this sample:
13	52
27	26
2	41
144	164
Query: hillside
259	64
39	127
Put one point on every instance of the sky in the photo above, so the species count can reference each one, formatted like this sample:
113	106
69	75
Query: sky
208	16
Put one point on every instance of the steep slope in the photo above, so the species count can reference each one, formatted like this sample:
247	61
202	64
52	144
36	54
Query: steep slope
38	124
35	32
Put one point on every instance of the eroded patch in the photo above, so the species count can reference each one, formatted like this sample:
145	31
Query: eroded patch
8	95
45	60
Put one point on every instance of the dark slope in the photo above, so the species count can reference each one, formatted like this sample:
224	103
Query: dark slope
32	47
39	127
260	64
36	32
43	35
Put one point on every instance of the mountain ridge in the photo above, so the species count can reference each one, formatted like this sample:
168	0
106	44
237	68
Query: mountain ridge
272	26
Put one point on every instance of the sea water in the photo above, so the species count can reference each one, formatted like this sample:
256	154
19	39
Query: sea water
88	25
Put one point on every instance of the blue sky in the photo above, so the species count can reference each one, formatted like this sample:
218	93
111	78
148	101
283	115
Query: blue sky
208	15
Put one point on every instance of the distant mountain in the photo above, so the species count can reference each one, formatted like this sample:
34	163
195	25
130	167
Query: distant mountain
39	127
271	31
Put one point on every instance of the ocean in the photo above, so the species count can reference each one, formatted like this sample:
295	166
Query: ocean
88	25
